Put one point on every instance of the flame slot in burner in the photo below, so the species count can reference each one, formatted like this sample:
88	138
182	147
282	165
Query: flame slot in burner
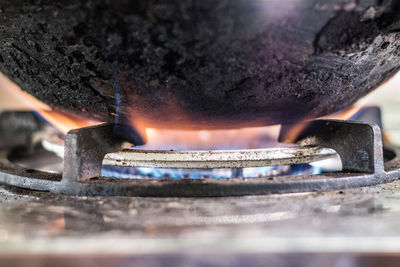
173	173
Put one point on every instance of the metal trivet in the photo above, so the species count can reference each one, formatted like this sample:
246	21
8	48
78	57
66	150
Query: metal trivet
359	145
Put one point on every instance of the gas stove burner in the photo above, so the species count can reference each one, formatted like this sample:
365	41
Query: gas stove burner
244	163
88	150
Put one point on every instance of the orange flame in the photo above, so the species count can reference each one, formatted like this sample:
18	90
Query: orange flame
62	121
245	138
345	114
250	137
241	137
298	128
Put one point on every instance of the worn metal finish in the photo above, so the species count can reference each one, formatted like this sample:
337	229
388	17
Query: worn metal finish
218	158
85	149
359	145
362	220
24	178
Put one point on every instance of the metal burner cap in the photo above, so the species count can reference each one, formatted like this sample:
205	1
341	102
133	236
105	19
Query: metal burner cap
218	158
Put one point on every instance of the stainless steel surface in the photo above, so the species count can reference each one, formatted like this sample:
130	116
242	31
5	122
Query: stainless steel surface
218	158
360	220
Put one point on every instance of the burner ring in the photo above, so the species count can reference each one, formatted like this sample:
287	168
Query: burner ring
218	158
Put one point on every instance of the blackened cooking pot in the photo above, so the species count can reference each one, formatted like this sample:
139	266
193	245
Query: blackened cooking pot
200	63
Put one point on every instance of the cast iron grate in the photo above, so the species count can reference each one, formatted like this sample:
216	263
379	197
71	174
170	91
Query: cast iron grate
359	145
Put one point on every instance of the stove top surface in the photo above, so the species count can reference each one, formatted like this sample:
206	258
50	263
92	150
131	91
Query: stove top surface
358	220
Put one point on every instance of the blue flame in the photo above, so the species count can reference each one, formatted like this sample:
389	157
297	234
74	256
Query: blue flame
168	173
